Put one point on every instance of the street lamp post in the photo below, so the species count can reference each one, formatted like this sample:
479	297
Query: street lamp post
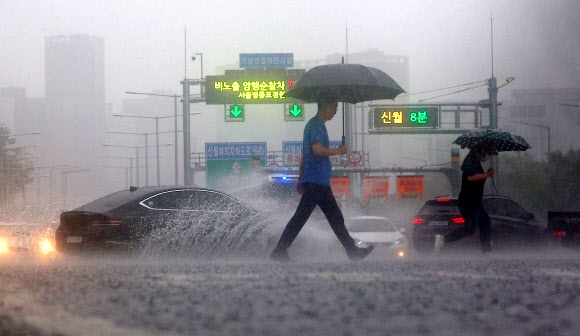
38	180
156	137
541	126
64	186
146	154
130	165
126	174
176	156
201	70
187	176
50	190
136	160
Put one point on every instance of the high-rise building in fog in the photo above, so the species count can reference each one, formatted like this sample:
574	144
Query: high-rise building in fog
74	67
75	93
72	124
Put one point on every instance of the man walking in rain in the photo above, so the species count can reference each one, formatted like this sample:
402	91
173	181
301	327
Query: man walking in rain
314	186
470	200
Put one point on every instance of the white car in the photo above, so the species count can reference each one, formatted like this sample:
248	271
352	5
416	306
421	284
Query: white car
25	237
378	231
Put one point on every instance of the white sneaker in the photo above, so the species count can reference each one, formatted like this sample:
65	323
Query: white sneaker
439	242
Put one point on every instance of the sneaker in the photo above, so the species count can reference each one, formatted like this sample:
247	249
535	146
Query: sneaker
439	242
280	255
359	253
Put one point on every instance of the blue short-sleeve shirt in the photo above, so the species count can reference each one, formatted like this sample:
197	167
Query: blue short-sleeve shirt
317	169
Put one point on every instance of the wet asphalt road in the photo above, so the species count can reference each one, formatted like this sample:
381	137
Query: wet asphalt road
454	294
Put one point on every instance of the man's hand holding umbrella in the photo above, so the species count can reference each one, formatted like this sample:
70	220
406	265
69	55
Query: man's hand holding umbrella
319	150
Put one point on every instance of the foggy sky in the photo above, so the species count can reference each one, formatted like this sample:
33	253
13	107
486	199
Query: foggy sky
448	42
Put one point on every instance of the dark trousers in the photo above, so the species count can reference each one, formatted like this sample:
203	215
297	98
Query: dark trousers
315	194
474	219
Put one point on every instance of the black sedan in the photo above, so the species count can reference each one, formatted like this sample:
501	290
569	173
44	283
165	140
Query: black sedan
512	225
156	218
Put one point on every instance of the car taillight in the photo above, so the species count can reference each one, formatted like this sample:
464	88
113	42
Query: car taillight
444	199
458	220
559	233
110	222
418	221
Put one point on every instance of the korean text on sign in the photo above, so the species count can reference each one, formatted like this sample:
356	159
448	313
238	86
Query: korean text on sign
234	150
410	186
392	117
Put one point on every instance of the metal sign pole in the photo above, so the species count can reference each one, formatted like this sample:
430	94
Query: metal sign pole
186	135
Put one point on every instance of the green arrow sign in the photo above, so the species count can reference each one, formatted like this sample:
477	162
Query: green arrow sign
295	110
236	111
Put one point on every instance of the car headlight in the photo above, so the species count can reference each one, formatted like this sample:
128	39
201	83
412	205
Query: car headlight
46	246
401	241
3	246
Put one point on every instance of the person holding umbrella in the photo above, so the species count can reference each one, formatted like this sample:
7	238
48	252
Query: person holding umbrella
470	199
314	185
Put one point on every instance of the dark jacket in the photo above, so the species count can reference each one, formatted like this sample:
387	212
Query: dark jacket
471	194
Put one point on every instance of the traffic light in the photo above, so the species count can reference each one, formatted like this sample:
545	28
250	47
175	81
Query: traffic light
294	112
235	112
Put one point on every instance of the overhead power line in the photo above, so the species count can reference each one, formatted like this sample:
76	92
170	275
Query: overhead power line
447	88
447	94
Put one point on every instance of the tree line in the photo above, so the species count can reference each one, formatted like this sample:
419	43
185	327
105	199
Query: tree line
552	184
16	170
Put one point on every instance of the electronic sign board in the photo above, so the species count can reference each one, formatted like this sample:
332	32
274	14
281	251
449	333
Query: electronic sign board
264	86
396	117
294	112
266	60
235	112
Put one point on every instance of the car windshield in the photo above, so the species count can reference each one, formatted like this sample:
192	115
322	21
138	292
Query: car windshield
504	207
371	225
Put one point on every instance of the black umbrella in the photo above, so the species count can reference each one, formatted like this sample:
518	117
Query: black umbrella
500	140
349	83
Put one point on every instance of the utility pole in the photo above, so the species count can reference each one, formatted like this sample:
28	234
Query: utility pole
187	180
492	89
187	172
